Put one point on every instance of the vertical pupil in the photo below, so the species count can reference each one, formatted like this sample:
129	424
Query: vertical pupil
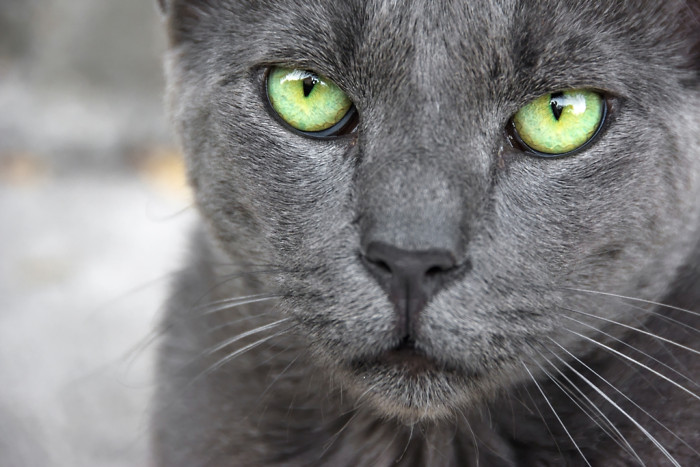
554	102
308	83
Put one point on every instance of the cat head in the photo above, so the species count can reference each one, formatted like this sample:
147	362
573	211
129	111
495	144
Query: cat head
428	248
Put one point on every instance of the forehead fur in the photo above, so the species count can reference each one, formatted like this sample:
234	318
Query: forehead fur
325	29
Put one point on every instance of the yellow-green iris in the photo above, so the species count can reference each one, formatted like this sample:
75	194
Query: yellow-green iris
306	101
561	122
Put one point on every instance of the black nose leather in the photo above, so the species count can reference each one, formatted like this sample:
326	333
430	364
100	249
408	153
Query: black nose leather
410	278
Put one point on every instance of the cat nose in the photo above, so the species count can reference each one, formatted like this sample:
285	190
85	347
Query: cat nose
410	278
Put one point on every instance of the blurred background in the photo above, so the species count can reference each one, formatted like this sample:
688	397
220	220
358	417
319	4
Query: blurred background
94	215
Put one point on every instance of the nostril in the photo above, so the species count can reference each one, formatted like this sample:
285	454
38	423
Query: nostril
437	270
381	265
378	267
433	271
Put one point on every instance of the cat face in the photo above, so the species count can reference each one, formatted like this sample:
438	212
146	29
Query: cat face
426	255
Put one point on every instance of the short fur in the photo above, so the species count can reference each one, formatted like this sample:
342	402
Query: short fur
530	345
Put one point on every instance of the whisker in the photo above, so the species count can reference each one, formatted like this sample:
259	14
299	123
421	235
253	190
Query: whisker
487	446
243	335
616	352
229	303
668	367
471	430
276	378
408	443
620	439
433	448
218	364
154	335
335	437
555	413
640	300
386	447
680	365
231	299
641	331
544	421
620	393
226	324
622	411
231	277
662	316
357	404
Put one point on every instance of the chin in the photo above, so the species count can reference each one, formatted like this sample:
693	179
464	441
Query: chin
406	385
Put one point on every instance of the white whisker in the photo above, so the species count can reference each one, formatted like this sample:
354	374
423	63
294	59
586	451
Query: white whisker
624	444
616	352
471	430
218	364
335	437
226	324
662	316
544	421
386	446
281	373
641	331
635	349
243	335
620	393
238	352
235	302
410	437
640	300
357	404
623	412
555	413
232	299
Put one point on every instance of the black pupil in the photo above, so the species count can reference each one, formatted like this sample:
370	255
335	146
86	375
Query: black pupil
554	102
309	82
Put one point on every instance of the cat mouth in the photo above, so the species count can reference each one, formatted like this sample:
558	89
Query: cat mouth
408	357
405	357
407	382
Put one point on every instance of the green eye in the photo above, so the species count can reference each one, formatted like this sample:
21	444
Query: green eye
308	102
561	122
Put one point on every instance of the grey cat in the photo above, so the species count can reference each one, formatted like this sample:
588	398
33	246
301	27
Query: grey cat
429	277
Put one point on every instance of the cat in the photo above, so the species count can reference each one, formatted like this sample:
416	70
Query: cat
439	233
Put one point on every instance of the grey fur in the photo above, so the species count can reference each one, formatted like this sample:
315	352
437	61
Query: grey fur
435	84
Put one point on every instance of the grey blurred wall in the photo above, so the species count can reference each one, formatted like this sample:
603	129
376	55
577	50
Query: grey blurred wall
80	80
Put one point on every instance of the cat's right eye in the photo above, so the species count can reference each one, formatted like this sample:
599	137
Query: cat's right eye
309	103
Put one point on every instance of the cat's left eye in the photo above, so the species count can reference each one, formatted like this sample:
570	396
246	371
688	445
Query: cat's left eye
310	103
559	123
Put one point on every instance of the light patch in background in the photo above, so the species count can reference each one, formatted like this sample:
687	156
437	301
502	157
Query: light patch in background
85	267
94	219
